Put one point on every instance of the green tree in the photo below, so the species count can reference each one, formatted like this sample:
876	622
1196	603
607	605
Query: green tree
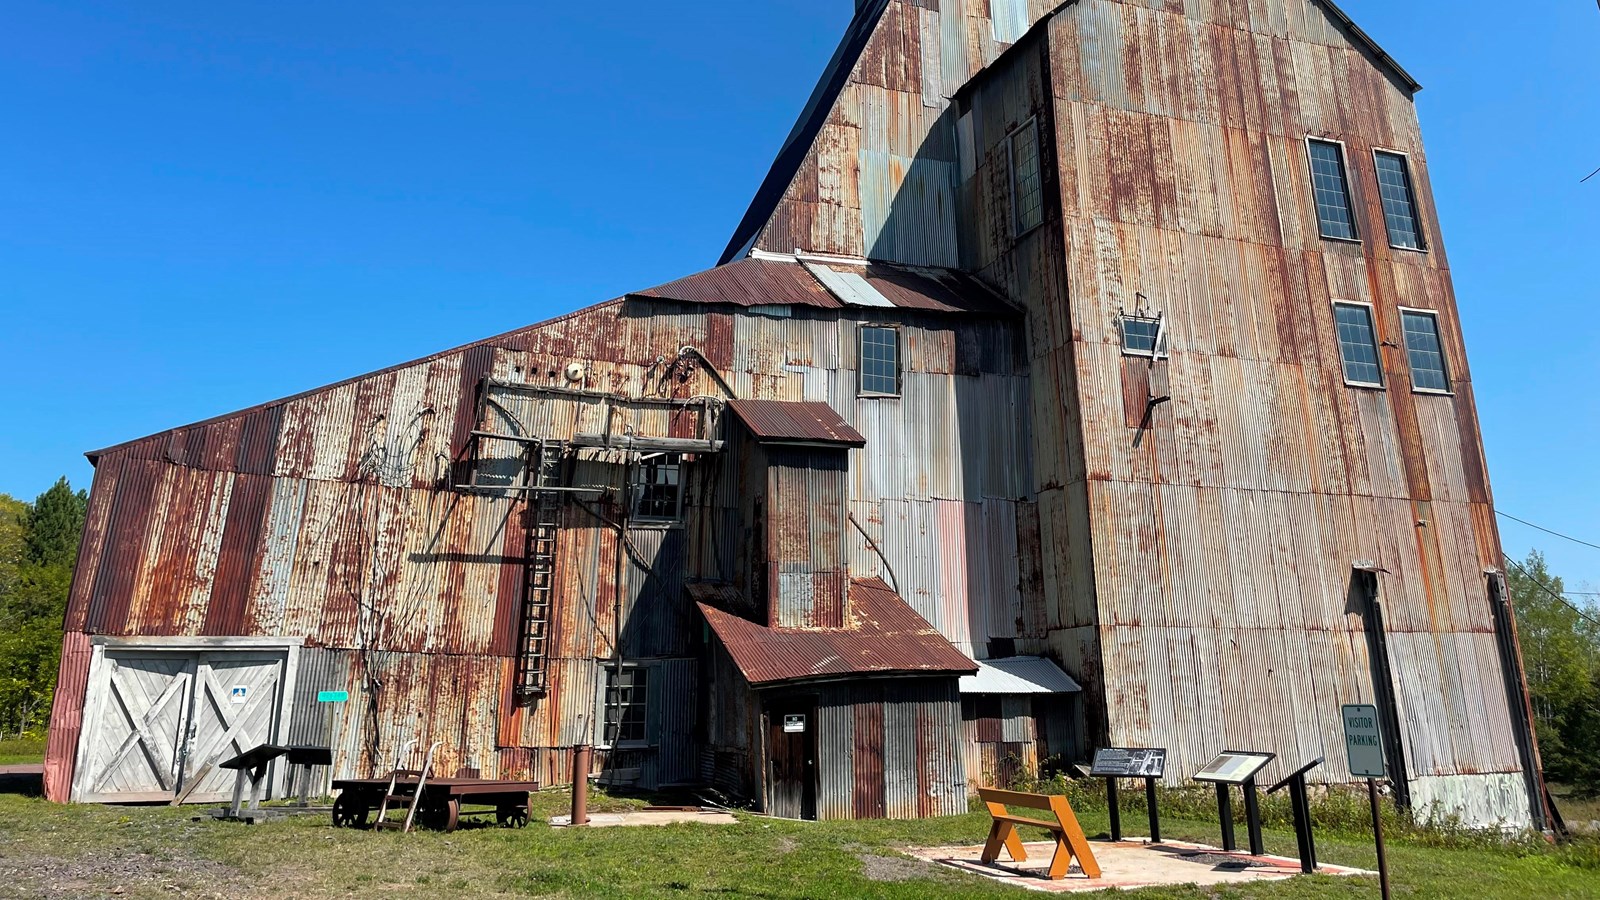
38	548
1561	654
55	525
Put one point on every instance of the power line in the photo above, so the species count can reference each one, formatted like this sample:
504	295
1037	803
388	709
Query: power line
1552	592
1565	537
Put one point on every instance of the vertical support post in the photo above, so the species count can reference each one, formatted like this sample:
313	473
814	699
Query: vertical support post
1252	818
238	793
1114	805
1302	825
1150	807
1377	831
580	784
304	796
1225	815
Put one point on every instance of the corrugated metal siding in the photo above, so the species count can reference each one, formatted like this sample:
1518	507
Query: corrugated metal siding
66	716
1216	555
890	748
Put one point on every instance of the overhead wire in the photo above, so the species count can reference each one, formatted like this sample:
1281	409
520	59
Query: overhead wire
1552	592
1565	537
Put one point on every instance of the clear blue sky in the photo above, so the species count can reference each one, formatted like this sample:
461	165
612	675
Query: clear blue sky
204	206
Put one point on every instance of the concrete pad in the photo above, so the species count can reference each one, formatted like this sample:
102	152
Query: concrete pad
649	817
1129	864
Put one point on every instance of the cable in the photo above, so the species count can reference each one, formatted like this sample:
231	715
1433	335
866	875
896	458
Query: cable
1565	537
1552	592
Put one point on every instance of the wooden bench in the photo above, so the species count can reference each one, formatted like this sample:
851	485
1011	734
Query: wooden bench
1070	841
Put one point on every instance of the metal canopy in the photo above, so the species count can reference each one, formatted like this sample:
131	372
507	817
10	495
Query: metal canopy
1019	675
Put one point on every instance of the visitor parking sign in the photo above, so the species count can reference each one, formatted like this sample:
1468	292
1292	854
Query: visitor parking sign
1362	740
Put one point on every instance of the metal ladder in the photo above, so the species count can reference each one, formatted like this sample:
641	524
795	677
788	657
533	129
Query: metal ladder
415	798
538	588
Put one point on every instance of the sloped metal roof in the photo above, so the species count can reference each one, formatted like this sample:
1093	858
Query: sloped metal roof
788	421
772	280
885	637
1019	675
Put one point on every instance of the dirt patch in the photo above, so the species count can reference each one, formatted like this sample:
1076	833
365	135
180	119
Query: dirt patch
891	868
787	845
125	875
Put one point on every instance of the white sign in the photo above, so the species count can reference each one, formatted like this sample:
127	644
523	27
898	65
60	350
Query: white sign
1362	740
239	694
794	724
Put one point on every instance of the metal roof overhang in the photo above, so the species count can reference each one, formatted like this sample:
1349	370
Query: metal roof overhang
1019	675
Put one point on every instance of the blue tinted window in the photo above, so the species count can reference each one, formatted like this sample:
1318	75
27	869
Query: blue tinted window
1358	344
1332	191
1399	203
880	360
1423	349
1139	335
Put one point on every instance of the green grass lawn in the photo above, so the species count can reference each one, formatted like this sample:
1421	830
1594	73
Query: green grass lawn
49	850
21	750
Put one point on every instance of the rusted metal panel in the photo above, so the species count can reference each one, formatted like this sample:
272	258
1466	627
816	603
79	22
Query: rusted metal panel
66	716
886	636
787	422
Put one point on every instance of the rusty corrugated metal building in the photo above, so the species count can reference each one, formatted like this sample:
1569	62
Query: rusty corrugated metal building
1106	343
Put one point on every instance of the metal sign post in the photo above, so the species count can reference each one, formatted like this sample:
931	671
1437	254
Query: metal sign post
1363	742
1237	767
1148	763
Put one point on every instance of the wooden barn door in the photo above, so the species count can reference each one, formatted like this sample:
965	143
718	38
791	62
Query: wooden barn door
132	741
792	759
235	707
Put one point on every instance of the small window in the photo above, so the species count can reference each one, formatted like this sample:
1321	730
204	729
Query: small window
1332	190
1358	344
658	488
880	361
1399	201
1424	350
627	705
1027	195
1142	336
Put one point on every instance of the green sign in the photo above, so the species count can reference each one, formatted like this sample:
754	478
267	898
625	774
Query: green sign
332	696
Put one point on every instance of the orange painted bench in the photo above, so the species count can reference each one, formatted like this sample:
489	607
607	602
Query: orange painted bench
1069	837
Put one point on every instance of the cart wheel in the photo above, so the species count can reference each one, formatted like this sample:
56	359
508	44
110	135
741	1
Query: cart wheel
511	816
349	813
452	815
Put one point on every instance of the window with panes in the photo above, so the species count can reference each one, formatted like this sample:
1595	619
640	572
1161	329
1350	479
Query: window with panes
1027	189
1399	200
658	488
1424	350
627	706
1358	344
1330	187
880	361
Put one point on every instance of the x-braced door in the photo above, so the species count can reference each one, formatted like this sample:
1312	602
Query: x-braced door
131	750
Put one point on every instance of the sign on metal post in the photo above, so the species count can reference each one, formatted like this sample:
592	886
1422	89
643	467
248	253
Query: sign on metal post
1363	742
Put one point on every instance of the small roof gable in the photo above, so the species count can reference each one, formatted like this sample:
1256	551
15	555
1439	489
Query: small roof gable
796	422
886	637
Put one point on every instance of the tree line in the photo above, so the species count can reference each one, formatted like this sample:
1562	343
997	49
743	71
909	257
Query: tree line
1561	653
38	549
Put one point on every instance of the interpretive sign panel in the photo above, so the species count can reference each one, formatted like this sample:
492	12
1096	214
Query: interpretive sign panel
1234	767
1129	762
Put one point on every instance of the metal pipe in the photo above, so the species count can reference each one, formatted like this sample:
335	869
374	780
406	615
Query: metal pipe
581	755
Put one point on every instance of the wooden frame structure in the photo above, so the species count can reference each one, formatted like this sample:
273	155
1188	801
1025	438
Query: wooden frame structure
1070	840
